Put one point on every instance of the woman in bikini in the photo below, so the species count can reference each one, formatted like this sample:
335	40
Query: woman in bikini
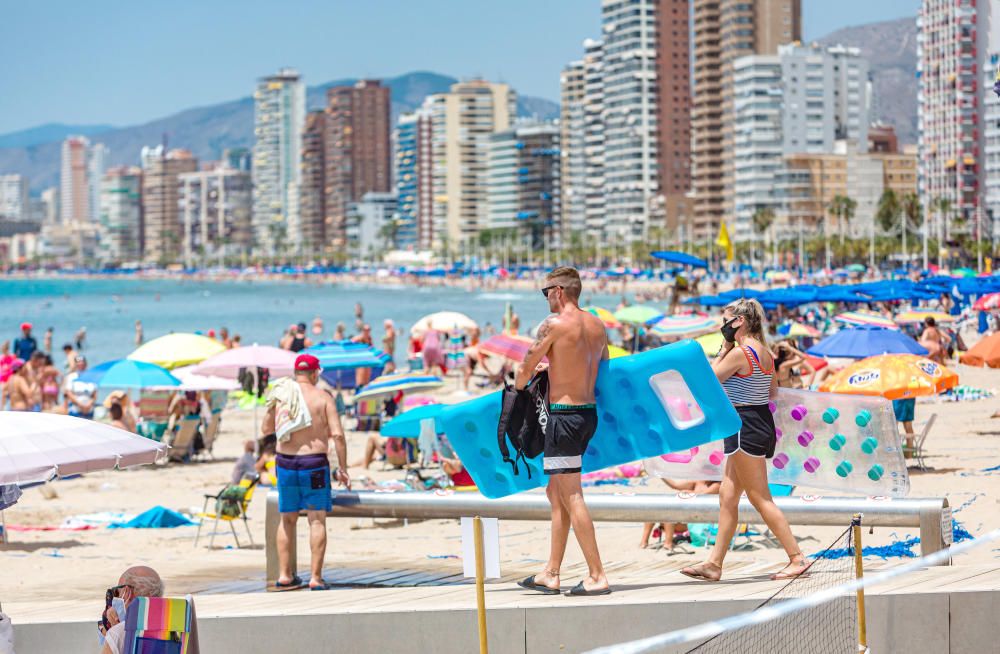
49	379
745	368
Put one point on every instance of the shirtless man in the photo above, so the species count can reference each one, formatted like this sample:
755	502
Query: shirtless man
575	343
303	472
20	388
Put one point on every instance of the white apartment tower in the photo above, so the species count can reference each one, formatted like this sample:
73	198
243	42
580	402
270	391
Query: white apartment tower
14	197
279	117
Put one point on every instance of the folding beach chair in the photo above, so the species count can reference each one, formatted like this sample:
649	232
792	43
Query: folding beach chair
161	625
181	442
211	433
231	504
918	450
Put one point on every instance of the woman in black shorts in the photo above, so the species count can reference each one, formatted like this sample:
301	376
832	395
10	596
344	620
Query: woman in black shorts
746	369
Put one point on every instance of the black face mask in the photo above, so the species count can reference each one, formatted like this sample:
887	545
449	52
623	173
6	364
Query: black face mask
728	331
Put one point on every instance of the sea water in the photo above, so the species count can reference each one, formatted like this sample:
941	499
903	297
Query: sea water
259	311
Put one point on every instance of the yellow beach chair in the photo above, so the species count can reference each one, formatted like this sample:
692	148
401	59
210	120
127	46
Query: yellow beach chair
231	504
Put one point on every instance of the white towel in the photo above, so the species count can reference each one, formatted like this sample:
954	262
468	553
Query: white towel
6	635
291	413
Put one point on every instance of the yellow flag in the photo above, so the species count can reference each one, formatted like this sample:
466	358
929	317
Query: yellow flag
723	241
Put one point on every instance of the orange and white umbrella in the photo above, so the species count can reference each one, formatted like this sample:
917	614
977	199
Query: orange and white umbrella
892	376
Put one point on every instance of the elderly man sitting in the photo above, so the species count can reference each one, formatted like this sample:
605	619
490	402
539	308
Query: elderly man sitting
138	581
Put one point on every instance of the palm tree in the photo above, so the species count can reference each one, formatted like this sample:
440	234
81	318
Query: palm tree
389	232
914	215
886	214
763	218
843	207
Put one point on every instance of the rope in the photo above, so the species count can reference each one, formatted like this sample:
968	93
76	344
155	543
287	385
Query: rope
764	614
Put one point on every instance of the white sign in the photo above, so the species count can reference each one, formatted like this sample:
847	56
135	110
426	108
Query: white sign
491	548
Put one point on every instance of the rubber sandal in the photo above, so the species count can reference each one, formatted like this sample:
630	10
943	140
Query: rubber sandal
697	575
529	584
787	576
580	591
323	586
294	584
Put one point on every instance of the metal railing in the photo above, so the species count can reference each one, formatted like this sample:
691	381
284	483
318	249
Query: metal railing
931	515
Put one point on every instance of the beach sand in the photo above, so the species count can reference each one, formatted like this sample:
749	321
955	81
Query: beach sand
59	564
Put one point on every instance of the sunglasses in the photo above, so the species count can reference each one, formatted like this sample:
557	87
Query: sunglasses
112	593
545	291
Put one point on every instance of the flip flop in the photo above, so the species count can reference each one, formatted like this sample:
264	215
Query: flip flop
323	586
580	591
697	575
786	576
294	584
529	584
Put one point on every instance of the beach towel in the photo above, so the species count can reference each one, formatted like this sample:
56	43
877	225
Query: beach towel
291	413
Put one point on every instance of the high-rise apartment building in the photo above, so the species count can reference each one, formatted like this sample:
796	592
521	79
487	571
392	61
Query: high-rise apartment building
121	214
50	201
162	234
358	152
725	30
414	181
97	164
214	207
801	100
14	197
312	192
74	182
279	116
523	182
647	96
955	39
370	224
572	147
593	138
991	151
462	121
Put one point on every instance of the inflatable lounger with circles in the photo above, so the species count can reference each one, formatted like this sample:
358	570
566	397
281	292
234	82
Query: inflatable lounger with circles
846	443
648	404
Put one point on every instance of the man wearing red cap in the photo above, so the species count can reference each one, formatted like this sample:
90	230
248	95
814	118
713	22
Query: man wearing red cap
303	472
26	345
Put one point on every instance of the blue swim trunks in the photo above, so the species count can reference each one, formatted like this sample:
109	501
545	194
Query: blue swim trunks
904	409
303	483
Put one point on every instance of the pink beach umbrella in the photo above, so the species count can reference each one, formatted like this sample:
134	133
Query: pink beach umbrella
227	364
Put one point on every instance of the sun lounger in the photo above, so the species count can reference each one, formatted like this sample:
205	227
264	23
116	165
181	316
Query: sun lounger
230	505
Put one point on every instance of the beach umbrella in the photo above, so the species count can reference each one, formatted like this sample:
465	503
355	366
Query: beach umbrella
394	383
176	350
778	276
638	314
855	267
443	321
123	373
865	318
228	363
605	316
407	424
865	341
684	325
35	447
987	302
984	353
683	258
191	381
893	376
711	343
797	329
507	346
963	272
916	316
347	355
614	352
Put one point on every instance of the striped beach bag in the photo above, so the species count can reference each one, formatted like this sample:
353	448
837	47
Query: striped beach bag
161	625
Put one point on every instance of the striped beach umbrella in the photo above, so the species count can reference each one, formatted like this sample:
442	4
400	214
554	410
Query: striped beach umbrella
638	315
605	316
684	325
797	329
347	355
404	381
987	302
507	346
918	316
865	318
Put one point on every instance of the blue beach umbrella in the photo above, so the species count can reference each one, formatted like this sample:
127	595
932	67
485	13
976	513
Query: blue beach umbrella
865	341
407	424
682	258
347	355
126	373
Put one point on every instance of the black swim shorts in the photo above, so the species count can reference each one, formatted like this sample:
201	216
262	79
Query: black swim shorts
757	437
567	435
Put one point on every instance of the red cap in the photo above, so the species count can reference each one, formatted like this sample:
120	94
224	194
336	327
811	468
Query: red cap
211	333
25	325
306	363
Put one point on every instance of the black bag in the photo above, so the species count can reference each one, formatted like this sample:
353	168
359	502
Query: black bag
524	417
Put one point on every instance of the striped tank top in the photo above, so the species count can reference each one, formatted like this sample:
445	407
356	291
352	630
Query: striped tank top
753	388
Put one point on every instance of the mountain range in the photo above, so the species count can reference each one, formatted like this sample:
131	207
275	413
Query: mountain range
206	131
889	46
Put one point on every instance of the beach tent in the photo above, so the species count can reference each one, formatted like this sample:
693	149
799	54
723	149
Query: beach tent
984	353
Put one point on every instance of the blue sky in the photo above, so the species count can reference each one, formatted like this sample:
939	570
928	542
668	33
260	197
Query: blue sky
126	62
